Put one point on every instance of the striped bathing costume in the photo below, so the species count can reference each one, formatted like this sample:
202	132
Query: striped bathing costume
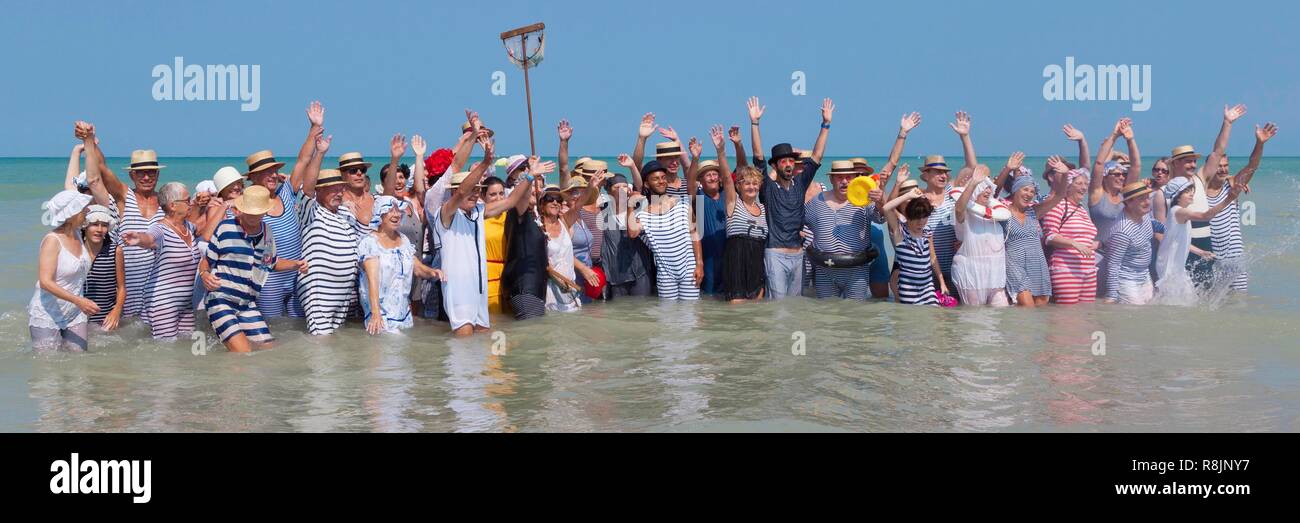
846	230
279	295
1225	240
915	274
669	238
137	262
168	306
1074	276
329	245
242	262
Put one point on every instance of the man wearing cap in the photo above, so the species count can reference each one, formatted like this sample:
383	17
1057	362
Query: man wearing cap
841	249
1184	172
782	195
137	208
239	258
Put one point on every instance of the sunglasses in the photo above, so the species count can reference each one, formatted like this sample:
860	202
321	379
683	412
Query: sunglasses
355	170
1159	170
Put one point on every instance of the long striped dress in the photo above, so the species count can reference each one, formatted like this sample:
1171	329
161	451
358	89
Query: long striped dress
137	262
1225	240
169	292
1074	276
669	237
915	274
329	244
279	294
101	281
1026	263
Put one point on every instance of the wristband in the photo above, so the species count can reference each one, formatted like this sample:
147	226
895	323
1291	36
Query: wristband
826	126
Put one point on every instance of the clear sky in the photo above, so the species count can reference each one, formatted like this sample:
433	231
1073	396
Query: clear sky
384	67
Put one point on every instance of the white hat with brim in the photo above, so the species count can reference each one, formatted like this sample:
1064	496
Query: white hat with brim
516	161
226	176
65	205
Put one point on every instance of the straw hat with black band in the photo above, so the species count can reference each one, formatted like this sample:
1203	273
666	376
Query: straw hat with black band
144	160
352	160
843	167
861	163
261	161
668	149
1136	189
1183	151
459	177
329	177
465	127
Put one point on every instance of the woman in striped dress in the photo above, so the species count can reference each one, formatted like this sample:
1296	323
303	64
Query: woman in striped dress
1068	229
279	295
1225	227
916	266
1029	282
105	284
168	306
666	224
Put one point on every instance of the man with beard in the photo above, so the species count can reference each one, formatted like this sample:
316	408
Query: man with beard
782	194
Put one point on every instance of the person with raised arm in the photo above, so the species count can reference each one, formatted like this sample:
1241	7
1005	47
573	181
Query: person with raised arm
744	276
916	267
279	295
1105	194
459	224
1029	281
666	226
557	221
1178	252
880	267
328	289
399	182
710	207
979	268
388	264
841	249
627	261
1068	229
782	194
671	154
1225	227
168	305
58	312
1185	173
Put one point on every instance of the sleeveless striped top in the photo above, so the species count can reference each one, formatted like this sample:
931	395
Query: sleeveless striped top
669	238
288	242
329	244
137	262
170	285
915	275
943	234
846	230
101	282
1225	227
743	223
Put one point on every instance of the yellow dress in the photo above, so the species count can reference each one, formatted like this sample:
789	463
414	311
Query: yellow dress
495	229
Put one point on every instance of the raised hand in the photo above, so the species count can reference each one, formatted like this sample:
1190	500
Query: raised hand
1071	133
715	133
755	110
397	146
668	133
647	125
323	143
828	108
537	167
316	114
1263	134
1126	128
903	172
489	146
980	173
625	160
909	122
1014	162
1057	164
564	130
962	125
695	147
418	145
1231	114
733	134
474	123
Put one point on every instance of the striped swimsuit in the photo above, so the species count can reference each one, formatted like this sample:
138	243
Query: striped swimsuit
1074	276
169	291
915	274
943	234
278	297
137	262
101	282
1026	263
242	262
1228	248
669	238
329	244
1128	270
846	230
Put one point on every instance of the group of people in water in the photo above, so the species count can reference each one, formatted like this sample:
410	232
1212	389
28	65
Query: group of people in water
453	241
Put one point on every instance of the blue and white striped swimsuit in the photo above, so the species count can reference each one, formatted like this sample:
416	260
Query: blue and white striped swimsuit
169	291
279	295
915	275
943	234
136	262
1226	243
669	238
846	230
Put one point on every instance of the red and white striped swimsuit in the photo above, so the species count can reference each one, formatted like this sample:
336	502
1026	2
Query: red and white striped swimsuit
1074	276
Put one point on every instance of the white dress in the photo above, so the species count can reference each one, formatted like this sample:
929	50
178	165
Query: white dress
980	262
1174	286
47	311
559	253
464	262
396	270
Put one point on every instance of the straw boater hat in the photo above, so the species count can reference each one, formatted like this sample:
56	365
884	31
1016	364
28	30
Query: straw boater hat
329	177
226	176
667	149
861	163
354	159
706	166
590	167
144	159
936	162
460	177
576	182
1136	189
1181	151
577	166
255	200
843	167
908	185
261	161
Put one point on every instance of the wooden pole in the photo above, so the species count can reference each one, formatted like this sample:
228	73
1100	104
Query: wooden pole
528	94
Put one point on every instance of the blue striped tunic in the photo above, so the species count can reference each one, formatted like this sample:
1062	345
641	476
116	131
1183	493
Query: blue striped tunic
136	262
943	234
278	296
168	293
1226	242
1129	247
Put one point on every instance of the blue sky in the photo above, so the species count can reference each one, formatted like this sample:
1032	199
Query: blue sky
385	67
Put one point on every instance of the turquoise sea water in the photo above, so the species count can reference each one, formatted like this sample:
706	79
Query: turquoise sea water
1229	365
